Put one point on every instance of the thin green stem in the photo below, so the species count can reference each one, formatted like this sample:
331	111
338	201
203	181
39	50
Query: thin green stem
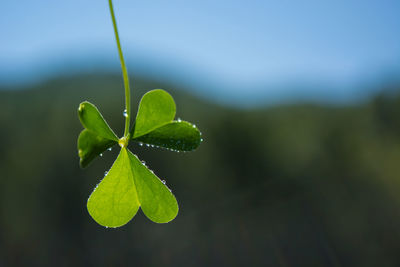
127	112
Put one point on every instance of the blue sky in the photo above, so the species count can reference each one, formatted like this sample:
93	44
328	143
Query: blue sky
257	44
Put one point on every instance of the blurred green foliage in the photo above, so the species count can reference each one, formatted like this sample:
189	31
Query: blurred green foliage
294	185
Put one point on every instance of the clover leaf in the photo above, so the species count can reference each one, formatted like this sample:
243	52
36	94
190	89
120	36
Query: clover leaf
129	184
126	187
97	137
176	135
115	200
156	108
161	131
92	120
91	145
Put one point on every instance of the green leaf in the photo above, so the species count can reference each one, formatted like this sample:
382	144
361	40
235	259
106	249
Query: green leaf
91	145
128	185
157	201
176	135
115	201
156	108
92	120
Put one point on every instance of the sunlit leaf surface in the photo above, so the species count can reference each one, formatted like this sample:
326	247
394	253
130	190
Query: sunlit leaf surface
92	120
157	201
128	185
115	200
156	109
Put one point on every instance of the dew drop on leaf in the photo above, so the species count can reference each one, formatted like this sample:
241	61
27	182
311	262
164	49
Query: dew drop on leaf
125	113
179	120
163	181
109	149
101	154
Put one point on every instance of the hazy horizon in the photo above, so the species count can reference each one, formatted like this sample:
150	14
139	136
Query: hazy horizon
229	49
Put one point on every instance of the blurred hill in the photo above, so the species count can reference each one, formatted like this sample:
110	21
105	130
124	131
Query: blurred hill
294	185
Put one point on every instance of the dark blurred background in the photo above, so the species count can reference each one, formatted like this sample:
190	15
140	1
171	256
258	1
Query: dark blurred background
298	104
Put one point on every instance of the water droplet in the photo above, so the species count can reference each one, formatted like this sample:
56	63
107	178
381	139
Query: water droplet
143	162
101	154
194	125
163	181
147	145
97	185
125	113
140	144
179	120
105	173
201	139
109	149
106	226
